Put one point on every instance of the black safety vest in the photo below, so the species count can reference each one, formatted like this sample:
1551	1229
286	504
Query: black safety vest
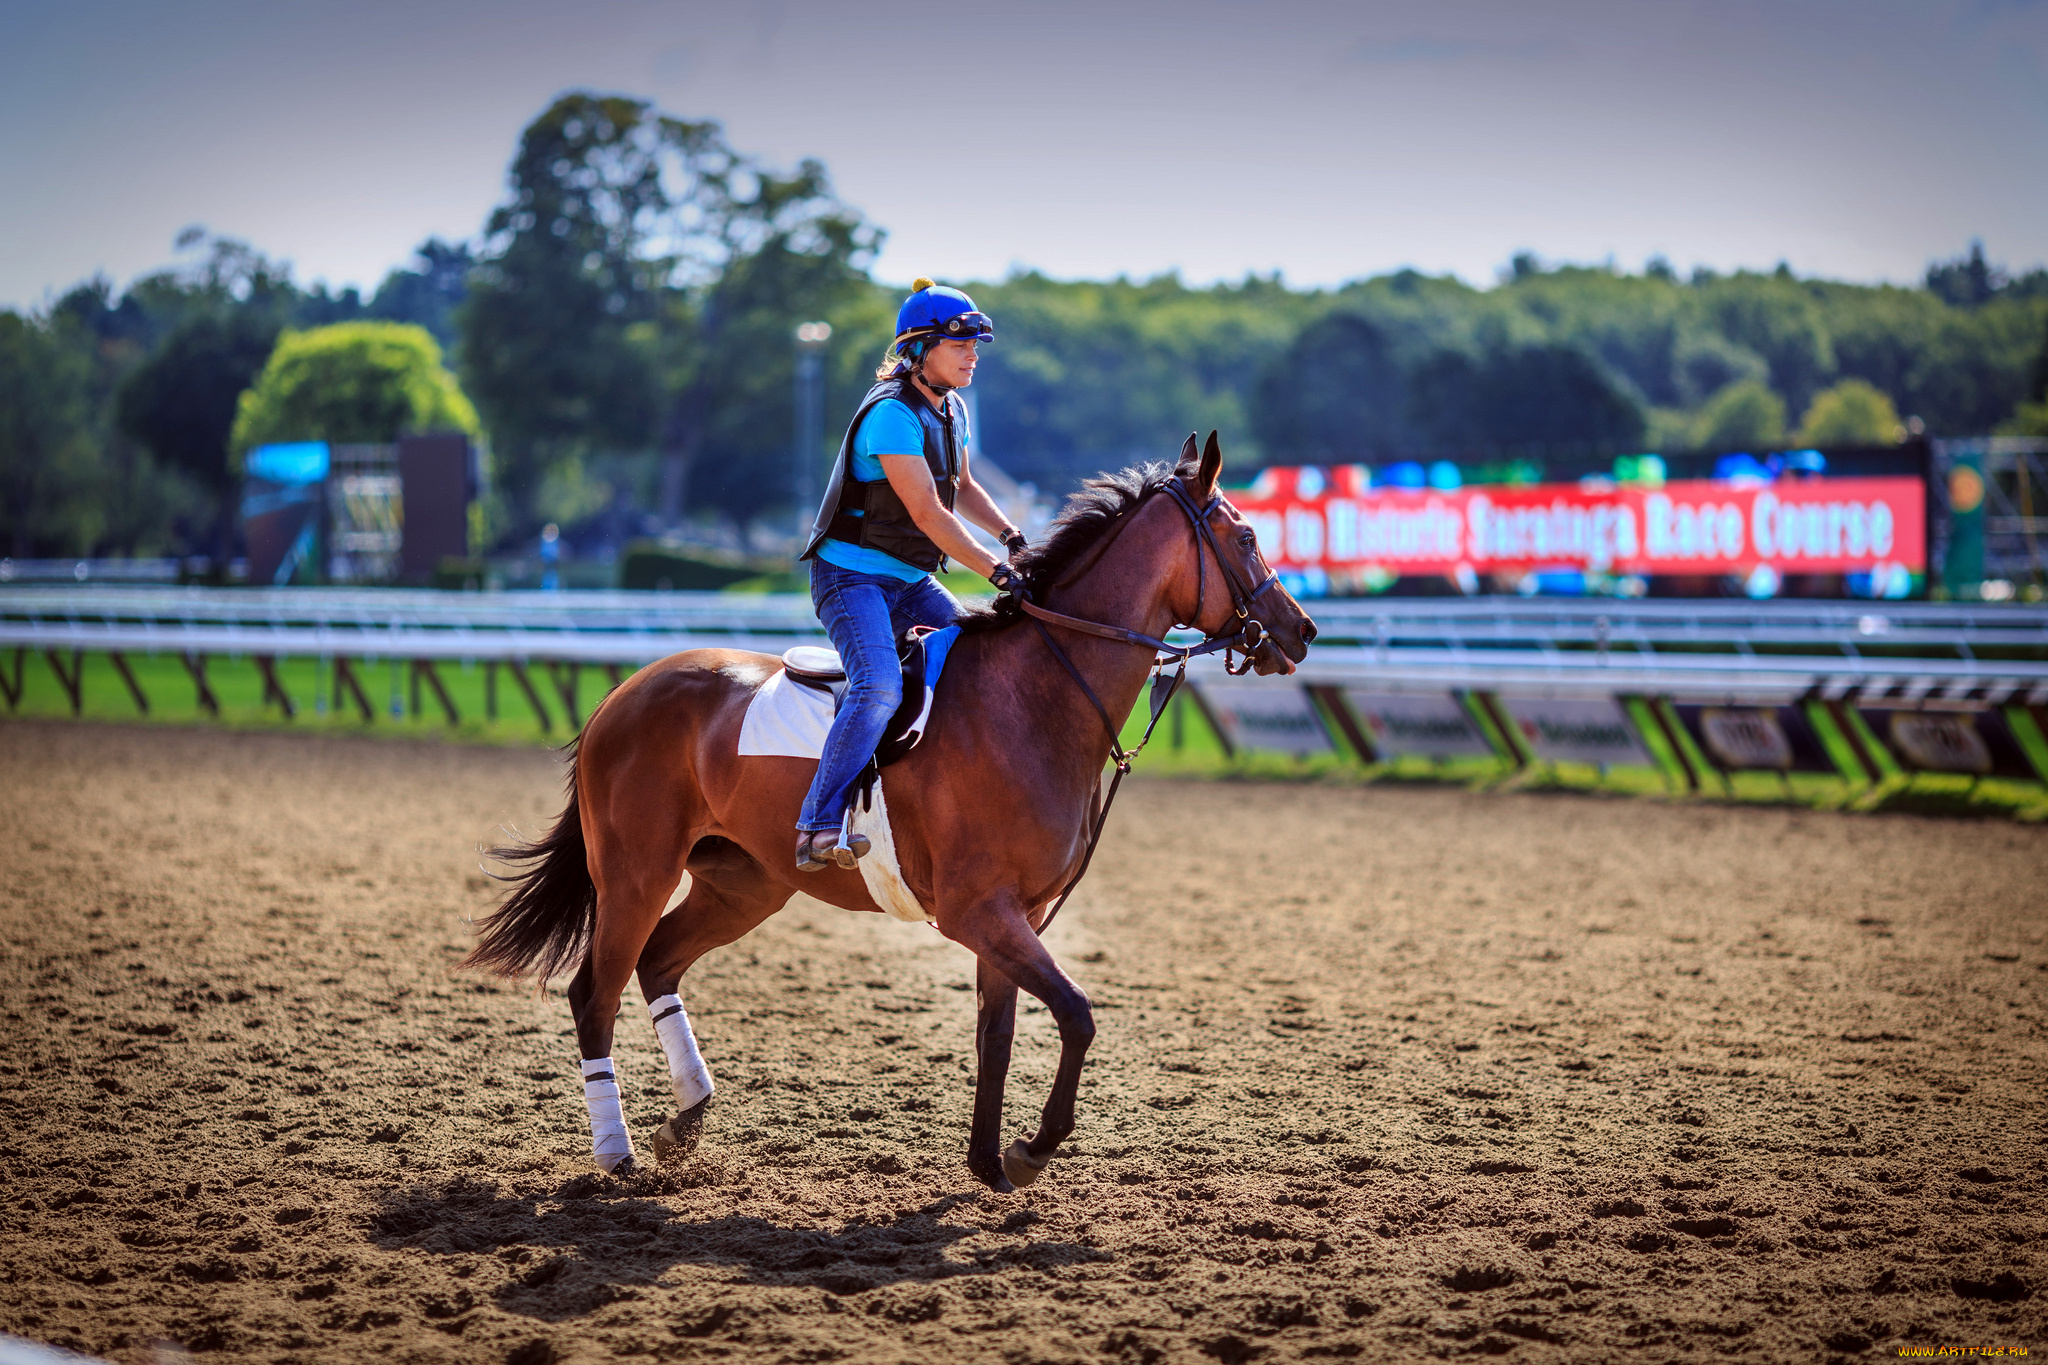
884	522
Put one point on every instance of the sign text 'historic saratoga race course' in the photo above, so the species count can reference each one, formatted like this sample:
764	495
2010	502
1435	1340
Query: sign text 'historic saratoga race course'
1308	519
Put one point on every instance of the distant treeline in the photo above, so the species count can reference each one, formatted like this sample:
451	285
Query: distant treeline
116	407
623	324
1557	365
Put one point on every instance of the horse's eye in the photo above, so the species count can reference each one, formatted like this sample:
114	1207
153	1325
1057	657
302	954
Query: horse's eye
1247	539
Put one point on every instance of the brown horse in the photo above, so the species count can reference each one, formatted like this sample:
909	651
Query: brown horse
991	813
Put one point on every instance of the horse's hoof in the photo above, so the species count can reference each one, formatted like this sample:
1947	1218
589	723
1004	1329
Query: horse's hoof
624	1169
1021	1166
678	1138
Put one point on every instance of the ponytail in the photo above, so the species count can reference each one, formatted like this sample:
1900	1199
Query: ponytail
902	356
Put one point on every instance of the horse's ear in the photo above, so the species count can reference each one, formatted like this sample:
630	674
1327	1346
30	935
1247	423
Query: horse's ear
1187	453
1212	465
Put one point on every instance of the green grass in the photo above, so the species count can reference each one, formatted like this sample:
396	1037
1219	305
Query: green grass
1183	746
238	687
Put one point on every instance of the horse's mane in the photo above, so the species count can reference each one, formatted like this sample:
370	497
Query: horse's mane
1088	516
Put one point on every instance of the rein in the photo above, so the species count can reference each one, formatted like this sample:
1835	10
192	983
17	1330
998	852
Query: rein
1247	639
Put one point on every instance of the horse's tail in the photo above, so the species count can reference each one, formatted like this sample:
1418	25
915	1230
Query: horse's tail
546	922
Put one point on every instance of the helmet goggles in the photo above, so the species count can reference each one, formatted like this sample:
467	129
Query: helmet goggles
959	327
976	325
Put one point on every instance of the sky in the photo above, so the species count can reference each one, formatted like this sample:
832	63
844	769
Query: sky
1854	139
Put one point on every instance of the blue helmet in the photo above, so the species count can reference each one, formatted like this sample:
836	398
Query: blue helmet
934	311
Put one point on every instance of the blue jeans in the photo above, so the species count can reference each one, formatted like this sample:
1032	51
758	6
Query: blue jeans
864	614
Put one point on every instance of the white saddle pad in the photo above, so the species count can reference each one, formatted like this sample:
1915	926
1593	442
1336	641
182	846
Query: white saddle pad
786	720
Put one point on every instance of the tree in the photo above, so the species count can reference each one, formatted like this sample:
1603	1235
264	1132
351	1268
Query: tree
1634	326
1338	394
352	382
548	328
2037	373
1086	375
1704	363
48	462
429	295
1967	280
180	402
2030	418
786	251
731	347
317	307
1513	398
1778	318
221	276
1744	416
604	314
143	506
1852	413
168	355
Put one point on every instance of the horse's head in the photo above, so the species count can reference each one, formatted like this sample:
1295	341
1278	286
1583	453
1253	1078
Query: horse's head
1245	597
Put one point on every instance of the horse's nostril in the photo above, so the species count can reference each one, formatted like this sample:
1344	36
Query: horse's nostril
1308	632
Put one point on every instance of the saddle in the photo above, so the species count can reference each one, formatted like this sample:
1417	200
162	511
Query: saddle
817	667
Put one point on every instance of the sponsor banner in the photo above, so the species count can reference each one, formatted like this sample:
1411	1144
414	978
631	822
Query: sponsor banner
1737	738
1950	741
1430	726
1335	523
1745	737
1259	717
1939	740
1574	730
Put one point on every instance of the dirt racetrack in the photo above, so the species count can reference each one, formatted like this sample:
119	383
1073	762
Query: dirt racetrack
1389	1073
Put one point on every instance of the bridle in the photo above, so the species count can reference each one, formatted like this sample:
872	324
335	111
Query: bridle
1243	634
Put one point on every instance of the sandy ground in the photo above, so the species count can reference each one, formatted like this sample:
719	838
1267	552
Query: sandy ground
1387	1073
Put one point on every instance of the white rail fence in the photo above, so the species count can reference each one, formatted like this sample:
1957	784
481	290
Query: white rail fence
1660	665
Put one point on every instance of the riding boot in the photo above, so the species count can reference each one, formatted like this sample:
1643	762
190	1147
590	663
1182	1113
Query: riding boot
814	850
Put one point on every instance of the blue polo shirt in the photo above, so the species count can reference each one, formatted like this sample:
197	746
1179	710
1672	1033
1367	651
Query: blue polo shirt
890	428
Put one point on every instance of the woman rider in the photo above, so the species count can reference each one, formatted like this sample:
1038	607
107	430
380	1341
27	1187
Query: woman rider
891	516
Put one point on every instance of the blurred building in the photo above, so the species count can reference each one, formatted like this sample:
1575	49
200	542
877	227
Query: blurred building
314	512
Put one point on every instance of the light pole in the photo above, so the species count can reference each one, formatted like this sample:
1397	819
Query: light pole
811	340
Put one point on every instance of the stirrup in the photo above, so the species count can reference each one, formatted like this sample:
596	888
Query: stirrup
851	847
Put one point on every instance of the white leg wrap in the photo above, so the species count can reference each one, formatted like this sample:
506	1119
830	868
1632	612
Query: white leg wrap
610	1143
686	1067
